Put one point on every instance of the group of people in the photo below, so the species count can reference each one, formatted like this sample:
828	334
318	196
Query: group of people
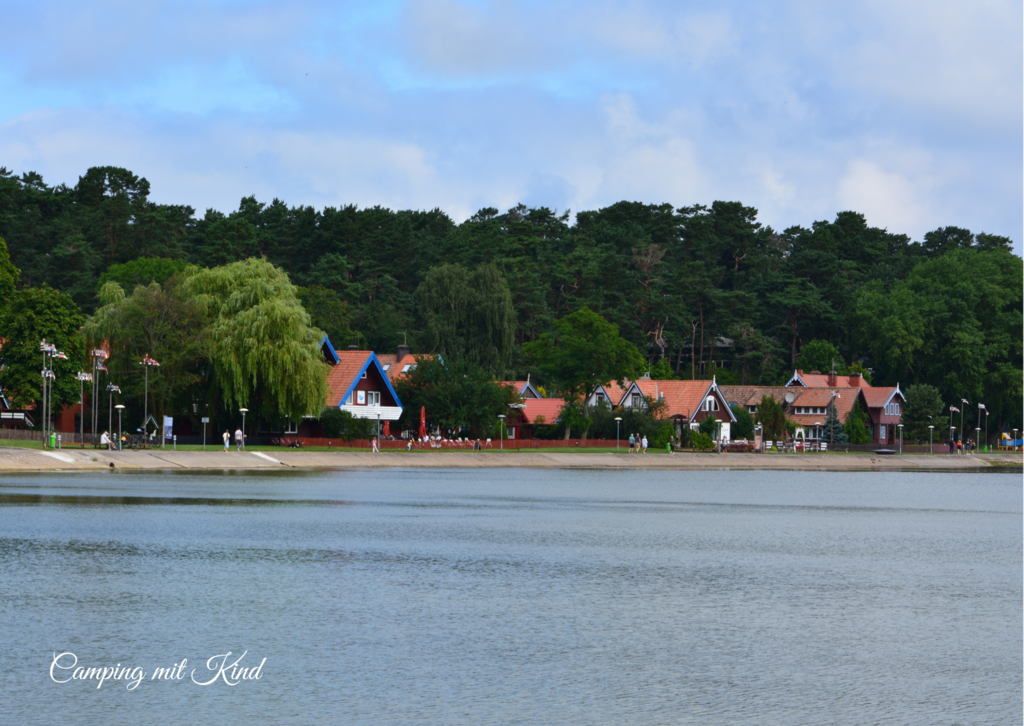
239	439
637	444
958	446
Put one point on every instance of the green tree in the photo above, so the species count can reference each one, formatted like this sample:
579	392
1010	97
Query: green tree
584	351
856	426
708	425
159	321
744	426
338	424
142	271
662	371
772	418
469	316
820	355
456	395
833	432
331	314
35	314
9	276
923	405
265	353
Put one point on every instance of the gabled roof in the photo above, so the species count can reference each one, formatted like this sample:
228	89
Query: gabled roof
406	363
615	392
682	398
522	388
801	398
549	408
330	354
879	397
344	376
815	379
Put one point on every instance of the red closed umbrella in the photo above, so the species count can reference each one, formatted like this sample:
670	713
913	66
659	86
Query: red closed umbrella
423	422
387	429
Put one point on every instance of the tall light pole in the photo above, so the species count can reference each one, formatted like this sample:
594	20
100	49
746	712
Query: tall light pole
111	390
82	378
977	436
900	427
501	431
618	420
1015	439
147	362
244	411
99	357
120	408
45	348
952	439
931	448
964	401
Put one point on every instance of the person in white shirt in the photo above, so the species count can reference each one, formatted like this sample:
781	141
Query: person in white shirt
227	439
643	443
105	440
238	439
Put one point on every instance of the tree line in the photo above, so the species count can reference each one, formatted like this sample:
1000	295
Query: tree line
698	291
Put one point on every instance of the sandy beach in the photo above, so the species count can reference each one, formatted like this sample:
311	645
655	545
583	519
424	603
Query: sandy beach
22	460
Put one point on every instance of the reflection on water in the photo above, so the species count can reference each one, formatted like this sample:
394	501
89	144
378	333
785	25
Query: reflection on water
528	596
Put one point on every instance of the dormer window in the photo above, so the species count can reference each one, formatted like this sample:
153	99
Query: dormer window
710	404
387	366
363	376
892	409
406	368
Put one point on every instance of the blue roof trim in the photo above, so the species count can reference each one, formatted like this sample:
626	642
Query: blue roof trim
359	375
330	347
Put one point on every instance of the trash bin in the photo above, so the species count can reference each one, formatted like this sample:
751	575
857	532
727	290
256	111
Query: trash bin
53	440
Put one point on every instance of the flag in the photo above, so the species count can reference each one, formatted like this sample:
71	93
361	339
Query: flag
954	409
423	422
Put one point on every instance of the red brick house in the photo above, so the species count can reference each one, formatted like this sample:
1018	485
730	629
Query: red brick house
687	403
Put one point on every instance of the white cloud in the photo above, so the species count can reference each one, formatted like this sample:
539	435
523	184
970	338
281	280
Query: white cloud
887	198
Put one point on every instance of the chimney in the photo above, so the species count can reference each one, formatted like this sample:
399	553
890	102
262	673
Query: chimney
403	350
832	379
353	347
855	380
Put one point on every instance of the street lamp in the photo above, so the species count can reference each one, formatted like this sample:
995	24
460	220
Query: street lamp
82	378
244	411
147	362
900	427
986	429
931	449
618	420
952	439
119	407
977	436
501	432
111	389
1015	439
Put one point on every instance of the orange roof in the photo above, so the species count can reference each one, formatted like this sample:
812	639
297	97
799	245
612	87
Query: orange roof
878	397
816	398
397	369
814	379
549	408
616	392
682	398
341	376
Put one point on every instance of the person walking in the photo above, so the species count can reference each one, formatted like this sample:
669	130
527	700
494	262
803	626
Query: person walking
643	442
632	443
227	439
238	439
374	445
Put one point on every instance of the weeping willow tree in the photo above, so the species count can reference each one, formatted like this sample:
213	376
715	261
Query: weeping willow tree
264	351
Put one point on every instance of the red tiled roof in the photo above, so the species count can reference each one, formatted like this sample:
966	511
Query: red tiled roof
341	377
802	398
395	371
616	392
549	408
682	398
820	380
877	397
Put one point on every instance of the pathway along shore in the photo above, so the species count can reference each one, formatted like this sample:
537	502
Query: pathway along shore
25	460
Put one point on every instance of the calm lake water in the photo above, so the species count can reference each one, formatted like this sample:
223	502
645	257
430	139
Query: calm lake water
516	596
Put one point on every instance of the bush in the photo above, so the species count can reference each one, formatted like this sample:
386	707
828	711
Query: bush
338	424
701	440
744	426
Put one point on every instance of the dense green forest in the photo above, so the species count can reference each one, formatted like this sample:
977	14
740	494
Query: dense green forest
699	290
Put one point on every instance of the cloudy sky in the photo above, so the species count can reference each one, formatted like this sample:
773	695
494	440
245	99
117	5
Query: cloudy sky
910	112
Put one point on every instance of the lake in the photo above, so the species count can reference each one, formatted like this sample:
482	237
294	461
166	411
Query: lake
514	596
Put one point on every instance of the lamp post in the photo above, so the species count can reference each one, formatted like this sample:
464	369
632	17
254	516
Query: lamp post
111	390
1015	439
963	401
501	431
82	378
931	448
120	408
147	362
99	357
986	429
952	439
378	431
244	411
900	427
977	436
618	420
981	407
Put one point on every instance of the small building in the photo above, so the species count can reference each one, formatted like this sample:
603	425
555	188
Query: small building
686	403
524	389
357	383
522	422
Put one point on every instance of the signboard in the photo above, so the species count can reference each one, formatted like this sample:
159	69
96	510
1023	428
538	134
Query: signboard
168	427
206	419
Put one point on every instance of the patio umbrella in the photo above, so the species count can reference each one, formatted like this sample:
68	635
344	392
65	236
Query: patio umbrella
423	422
387	429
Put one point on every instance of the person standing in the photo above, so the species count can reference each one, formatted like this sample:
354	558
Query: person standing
643	442
238	439
227	439
632	443
374	445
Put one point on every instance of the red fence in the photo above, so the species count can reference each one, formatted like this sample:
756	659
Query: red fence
465	445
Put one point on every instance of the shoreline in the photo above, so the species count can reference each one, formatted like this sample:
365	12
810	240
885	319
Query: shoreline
17	460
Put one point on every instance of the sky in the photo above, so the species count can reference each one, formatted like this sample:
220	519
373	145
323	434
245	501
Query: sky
911	113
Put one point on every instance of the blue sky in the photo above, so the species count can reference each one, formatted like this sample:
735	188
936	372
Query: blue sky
909	112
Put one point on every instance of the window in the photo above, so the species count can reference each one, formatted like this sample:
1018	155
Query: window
637	400
291	427
752	410
881	432
373	398
361	398
348	400
363	376
710	404
406	367
387	367
892	409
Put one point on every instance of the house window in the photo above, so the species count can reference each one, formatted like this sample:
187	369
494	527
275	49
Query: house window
881	432
751	409
363	376
710	404
387	367
637	400
892	409
406	367
373	398
291	427
348	400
